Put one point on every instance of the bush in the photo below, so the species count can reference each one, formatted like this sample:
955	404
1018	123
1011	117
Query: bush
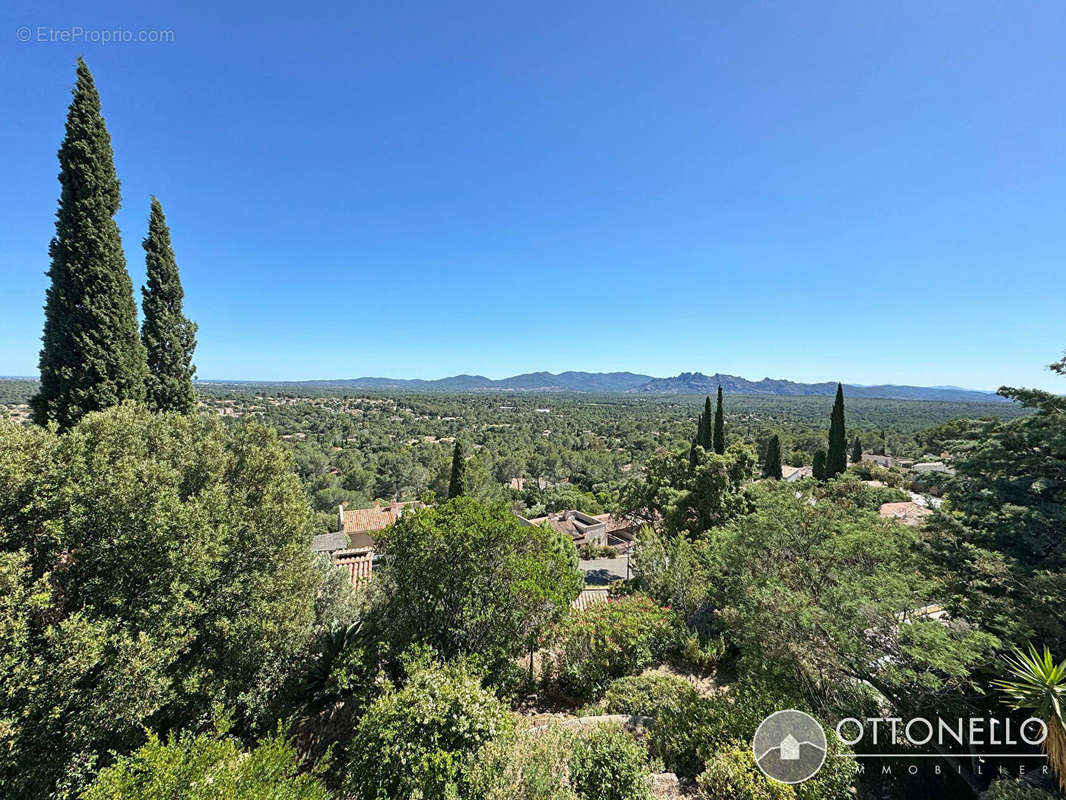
421	740
608	764
1015	789
606	641
646	695
207	767
733	775
685	736
532	766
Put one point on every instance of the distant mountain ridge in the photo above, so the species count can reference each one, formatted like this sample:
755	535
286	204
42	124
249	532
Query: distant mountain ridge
634	383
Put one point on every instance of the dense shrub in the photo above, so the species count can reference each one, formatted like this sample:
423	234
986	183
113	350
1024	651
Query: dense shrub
606	641
1015	789
207	767
608	764
732	774
531	766
646	695
422	739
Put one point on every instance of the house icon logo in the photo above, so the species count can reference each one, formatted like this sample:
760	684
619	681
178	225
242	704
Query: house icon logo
789	746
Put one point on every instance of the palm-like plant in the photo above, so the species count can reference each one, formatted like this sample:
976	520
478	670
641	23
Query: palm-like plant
1040	685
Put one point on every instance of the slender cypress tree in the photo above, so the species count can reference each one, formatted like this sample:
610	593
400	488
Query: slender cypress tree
705	428
719	426
856	451
169	338
92	356
836	460
771	467
457	485
692	454
818	470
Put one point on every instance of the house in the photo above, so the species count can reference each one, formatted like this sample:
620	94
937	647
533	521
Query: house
329	543
790	473
926	467
582	528
360	523
908	513
358	564
881	461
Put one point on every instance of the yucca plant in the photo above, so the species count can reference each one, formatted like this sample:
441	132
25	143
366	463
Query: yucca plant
1040	685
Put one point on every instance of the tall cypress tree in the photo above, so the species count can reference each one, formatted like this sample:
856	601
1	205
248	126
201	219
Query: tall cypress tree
719	426
771	467
705	440
457	484
856	451
92	356
169	338
836	460
818	469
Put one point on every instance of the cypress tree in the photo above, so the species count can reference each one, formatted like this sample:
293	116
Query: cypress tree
92	356
856	451
457	485
719	426
169	338
819	466
771	467
705	440
836	459
692	454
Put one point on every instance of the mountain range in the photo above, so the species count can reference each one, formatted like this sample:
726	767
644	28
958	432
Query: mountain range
633	383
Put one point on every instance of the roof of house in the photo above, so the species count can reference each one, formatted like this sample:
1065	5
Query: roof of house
906	512
933	466
790	473
363	520
358	564
589	597
329	542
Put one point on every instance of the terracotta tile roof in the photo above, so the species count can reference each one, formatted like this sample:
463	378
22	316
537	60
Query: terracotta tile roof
358	564
363	520
589	597
907	512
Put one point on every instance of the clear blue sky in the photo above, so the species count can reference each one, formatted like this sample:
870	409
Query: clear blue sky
873	192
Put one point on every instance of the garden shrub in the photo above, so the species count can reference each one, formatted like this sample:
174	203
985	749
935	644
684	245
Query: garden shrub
609	764
733	775
1015	789
207	767
646	695
530	766
606	641
421	740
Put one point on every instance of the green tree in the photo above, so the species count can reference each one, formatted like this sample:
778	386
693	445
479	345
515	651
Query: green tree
771	467
163	565
1039	685
169	338
856	451
836	458
705	438
819	466
92	356
469	579
457	483
719	426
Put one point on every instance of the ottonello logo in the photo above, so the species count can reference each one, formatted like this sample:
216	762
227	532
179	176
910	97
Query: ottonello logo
789	746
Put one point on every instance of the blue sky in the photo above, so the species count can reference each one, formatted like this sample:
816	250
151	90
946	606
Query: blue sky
818	191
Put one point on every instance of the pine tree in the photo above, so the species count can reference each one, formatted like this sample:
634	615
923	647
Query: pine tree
818	469
92	356
705	440
457	485
771	467
856	451
836	460
169	338
719	426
